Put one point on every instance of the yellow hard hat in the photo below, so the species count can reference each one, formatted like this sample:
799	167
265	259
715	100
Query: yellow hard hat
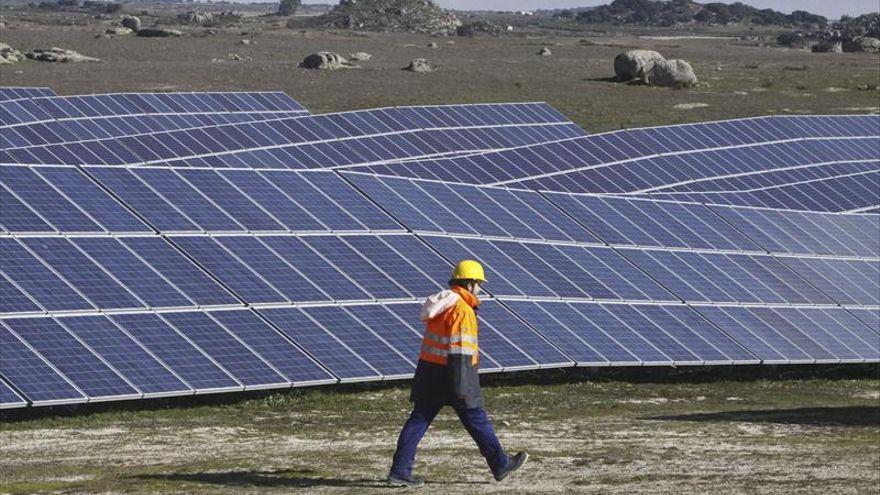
468	270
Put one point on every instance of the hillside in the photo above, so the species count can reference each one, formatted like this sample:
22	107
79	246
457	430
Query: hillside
678	12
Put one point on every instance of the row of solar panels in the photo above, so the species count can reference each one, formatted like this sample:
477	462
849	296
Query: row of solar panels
12	93
85	274
69	200
781	162
51	108
126	356
578	279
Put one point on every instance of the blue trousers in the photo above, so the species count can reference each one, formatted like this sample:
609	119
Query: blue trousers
475	421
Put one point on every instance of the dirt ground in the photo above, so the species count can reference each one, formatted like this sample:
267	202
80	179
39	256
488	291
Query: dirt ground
585	433
740	78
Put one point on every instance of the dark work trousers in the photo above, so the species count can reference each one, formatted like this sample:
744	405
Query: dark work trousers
474	420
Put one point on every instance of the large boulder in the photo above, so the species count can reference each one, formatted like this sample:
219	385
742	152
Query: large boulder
634	64
419	65
9	55
862	44
674	73
828	47
56	54
131	22
324	61
159	33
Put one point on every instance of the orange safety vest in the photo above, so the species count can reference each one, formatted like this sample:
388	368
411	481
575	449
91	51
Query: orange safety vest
450	326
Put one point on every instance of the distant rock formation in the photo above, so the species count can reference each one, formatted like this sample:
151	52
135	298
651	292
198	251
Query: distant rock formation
850	34
684	12
417	16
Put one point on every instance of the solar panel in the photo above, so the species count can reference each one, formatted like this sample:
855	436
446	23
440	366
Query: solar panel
158	263
15	93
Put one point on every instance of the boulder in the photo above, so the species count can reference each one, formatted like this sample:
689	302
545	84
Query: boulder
119	31
634	64
9	55
545	52
56	54
131	22
324	61
432	45
828	47
415	16
359	56
674	73
159	33
419	65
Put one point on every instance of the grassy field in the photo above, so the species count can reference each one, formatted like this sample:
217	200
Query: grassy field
740	78
657	431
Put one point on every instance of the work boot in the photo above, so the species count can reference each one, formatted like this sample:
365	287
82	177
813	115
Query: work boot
513	464
400	481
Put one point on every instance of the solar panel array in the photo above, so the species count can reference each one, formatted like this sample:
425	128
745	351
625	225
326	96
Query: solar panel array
818	163
7	94
188	275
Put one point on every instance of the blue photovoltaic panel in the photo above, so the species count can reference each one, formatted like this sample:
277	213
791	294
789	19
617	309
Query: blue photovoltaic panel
315	268
845	281
870	317
179	354
404	266
232	272
15	93
331	352
82	273
277	351
180	271
131	360
37	280
13	300
78	363
9	398
272	268
361	340
93	200
15	216
239	361
126	267
156	209
42	198
31	374
502	322
376	282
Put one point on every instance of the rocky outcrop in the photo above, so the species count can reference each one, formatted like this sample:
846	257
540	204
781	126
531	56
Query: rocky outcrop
9	55
634	64
325	61
359	56
159	33
417	16
420	65
56	54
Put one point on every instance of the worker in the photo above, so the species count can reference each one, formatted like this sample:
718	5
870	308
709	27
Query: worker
446	374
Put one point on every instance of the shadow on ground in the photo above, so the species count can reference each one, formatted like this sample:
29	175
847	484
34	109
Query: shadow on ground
817	416
293	478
